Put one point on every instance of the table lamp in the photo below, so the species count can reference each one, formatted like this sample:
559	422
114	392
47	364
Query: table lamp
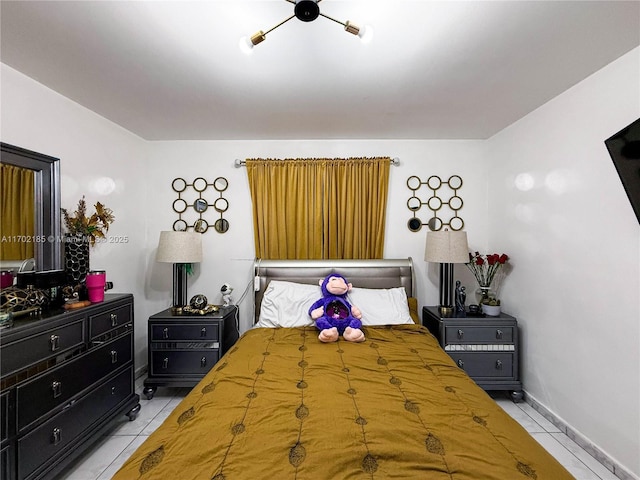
446	247
179	248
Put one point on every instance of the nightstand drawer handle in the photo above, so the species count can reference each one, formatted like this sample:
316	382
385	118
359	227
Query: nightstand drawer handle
56	436
203	332
114	319
55	342
203	362
165	332
498	364
114	356
57	388
499	334
165	363
460	334
460	363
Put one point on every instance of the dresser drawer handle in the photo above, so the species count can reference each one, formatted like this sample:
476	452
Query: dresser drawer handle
165	363
57	388
54	340
203	332
460	363
165	332
56	436
460	334
498	364
203	362
499	334
114	356
114	319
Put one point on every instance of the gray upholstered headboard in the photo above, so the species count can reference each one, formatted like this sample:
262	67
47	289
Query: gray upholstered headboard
384	273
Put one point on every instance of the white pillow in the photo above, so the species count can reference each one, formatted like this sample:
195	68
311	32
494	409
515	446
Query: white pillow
286	304
381	306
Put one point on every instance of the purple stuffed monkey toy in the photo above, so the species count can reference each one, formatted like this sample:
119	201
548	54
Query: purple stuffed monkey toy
333	314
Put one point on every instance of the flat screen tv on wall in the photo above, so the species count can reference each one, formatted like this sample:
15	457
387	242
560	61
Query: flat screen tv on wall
624	148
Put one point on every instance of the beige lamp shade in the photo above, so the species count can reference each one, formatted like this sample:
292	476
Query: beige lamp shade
446	246
179	247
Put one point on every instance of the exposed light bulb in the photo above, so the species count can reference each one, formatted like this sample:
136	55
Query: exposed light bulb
366	34
245	45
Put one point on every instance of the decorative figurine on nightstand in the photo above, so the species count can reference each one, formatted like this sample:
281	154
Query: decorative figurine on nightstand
461	297
226	290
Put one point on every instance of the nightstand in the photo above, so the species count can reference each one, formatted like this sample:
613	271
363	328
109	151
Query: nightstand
486	348
183	348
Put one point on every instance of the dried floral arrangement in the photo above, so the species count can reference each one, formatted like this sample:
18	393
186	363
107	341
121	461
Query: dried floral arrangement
93	227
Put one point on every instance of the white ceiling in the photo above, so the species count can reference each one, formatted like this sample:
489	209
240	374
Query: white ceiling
172	70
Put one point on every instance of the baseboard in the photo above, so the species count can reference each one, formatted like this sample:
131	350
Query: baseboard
615	468
139	372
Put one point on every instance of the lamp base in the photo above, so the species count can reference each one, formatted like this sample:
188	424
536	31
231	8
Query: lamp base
176	310
445	311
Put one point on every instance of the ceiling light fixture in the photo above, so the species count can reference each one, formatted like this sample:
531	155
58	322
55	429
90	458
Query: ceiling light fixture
305	11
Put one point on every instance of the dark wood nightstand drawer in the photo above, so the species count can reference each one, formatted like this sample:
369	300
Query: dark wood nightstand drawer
24	353
102	323
47	392
478	334
185	331
484	364
183	362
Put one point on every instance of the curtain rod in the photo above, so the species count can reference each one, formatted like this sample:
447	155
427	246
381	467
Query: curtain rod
241	163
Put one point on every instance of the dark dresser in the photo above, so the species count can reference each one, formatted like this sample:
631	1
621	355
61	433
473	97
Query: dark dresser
486	348
183	348
64	377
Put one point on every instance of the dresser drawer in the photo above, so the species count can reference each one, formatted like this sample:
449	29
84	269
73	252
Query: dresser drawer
24	353
185	331
53	436
6	458
183	362
103	322
4	416
485	365
478	334
53	389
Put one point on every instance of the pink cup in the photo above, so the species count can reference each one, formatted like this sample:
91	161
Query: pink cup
95	281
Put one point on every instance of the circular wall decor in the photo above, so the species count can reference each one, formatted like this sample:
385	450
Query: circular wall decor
438	196
196	199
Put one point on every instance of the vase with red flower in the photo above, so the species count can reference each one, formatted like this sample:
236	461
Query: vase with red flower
484	269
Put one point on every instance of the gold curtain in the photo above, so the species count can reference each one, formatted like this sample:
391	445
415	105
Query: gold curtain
287	208
17	213
355	207
319	208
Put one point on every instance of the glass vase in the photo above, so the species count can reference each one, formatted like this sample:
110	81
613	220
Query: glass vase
483	293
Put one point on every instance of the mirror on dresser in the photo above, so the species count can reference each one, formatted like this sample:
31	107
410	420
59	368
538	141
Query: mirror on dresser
35	186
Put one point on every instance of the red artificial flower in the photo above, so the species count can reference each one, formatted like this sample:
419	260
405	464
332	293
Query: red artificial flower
485	267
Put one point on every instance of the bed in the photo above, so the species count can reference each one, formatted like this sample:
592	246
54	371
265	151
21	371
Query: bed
283	405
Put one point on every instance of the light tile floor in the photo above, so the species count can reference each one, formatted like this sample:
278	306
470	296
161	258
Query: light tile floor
108	454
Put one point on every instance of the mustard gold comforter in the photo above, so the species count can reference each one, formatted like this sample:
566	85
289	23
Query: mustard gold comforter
282	405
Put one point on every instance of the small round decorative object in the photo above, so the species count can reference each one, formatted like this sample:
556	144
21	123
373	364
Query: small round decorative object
198	302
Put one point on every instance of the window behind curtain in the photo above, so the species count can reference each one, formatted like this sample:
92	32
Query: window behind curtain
319	208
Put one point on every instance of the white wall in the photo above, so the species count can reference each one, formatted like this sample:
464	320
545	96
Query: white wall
98	159
557	206
229	257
